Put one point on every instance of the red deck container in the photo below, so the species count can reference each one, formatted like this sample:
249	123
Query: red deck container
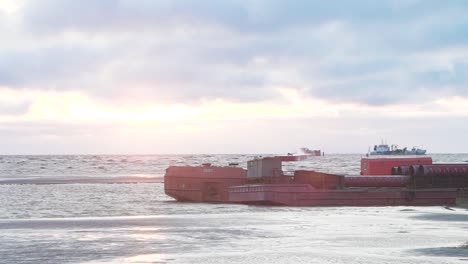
319	180
377	181
383	166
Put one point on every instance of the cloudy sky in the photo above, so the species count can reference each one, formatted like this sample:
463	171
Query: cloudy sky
251	76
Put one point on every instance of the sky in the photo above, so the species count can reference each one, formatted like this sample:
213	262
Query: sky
251	76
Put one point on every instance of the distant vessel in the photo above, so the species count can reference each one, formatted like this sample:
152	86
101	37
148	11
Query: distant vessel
305	154
384	149
311	152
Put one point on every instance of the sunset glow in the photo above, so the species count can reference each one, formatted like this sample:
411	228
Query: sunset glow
68	70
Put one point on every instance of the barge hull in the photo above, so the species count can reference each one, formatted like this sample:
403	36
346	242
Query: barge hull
302	195
265	183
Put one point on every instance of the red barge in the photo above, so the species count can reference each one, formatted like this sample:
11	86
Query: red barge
383	182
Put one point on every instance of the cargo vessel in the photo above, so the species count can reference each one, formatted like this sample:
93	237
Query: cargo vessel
384	149
411	181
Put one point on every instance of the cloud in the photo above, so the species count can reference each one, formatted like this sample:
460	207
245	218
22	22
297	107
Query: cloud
8	108
364	52
55	67
333	135
243	16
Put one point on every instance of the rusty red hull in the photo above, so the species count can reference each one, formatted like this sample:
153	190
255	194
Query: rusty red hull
202	183
262	185
304	195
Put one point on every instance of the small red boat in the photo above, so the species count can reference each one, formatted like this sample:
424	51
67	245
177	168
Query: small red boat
265	183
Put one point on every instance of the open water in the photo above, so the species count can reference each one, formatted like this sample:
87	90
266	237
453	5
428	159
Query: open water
82	221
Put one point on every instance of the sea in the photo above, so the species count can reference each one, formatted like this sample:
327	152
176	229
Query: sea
112	209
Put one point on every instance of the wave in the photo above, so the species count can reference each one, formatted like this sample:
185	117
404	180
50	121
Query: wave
81	179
